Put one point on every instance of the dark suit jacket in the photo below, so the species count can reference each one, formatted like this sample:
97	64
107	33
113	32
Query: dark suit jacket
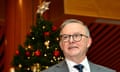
62	67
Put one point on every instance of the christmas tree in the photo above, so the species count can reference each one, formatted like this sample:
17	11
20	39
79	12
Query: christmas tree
41	48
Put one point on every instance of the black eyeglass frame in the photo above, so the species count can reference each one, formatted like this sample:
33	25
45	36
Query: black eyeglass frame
73	37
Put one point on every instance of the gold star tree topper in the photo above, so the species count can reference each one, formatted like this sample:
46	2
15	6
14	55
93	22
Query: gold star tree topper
43	7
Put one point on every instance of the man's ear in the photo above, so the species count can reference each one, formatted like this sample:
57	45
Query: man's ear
89	42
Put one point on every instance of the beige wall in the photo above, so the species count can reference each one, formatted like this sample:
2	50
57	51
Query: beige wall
94	8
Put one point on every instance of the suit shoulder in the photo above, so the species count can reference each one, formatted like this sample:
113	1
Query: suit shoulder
53	68
50	69
102	68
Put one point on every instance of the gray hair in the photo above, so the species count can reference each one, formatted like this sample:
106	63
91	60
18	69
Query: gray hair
68	21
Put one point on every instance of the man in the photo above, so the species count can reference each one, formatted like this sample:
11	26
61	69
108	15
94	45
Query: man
75	41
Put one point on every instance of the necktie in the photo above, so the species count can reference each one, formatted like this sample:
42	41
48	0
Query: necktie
79	67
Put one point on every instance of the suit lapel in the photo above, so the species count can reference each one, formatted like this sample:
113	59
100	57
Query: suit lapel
62	67
94	67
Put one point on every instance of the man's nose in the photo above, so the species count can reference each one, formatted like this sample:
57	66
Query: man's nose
71	39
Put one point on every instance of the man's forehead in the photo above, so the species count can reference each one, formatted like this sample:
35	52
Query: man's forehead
73	28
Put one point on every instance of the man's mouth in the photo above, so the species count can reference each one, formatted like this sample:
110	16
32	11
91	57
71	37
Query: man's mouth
71	47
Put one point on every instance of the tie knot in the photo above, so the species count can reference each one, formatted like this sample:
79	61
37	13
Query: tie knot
79	67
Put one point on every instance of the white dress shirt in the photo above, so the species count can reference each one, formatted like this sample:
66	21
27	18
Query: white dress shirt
84	63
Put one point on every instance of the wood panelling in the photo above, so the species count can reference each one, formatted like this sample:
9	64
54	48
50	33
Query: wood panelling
2	9
94	8
19	18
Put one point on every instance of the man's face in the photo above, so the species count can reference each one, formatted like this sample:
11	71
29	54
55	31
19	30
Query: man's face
72	48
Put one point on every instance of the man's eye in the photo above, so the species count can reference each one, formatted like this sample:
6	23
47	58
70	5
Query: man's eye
65	36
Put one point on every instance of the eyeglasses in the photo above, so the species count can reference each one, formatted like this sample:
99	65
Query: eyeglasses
75	37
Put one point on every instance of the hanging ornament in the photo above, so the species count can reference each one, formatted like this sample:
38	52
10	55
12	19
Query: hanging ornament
47	44
58	58
12	69
45	55
27	53
28	34
43	7
43	27
54	28
29	46
26	48
28	57
46	33
28	68
57	38
37	53
56	53
34	68
33	38
33	53
20	66
38	67
54	58
46	67
17	52
62	58
51	61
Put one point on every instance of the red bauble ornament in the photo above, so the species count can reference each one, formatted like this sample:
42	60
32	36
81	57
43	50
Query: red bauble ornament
17	52
46	33
37	53
27	53
54	28
28	33
56	53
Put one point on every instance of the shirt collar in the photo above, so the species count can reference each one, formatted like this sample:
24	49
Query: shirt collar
84	63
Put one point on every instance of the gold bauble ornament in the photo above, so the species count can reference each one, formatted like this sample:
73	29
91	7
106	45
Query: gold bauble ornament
28	57
20	66
33	54
47	44
28	69
29	46
58	58
43	27
45	54
46	67
33	38
51	60
26	48
36	67
12	69
57	38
